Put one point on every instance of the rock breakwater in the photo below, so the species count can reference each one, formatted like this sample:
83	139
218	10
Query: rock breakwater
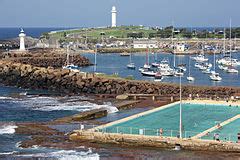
65	81
45	58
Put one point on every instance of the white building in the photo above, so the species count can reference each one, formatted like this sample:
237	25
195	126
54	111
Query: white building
114	16
22	36
145	44
180	48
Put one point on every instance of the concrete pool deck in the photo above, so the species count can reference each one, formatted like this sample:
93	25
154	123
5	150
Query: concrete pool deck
213	102
216	127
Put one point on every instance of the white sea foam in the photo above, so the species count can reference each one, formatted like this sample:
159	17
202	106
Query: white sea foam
3	98
7	129
69	103
9	153
75	103
65	155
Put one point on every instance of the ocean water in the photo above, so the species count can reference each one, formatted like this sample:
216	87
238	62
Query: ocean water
114	63
16	106
8	33
43	108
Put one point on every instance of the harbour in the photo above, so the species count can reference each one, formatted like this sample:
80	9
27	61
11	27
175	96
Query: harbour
119	80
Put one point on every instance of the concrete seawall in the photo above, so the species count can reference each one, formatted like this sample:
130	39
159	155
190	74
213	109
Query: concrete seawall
65	81
155	141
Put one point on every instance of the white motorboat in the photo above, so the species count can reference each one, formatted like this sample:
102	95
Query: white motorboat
165	68
155	64
203	67
182	67
231	70
222	67
215	77
200	58
190	78
167	73
149	73
179	73
197	65
207	71
72	67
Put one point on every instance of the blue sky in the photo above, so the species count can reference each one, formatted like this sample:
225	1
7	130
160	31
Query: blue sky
92	13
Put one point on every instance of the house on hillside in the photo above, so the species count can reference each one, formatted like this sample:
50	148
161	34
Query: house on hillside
145	43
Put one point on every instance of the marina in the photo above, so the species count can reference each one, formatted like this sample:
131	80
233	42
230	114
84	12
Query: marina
115	64
159	80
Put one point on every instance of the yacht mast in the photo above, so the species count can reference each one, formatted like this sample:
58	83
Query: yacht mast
230	39
224	43
174	57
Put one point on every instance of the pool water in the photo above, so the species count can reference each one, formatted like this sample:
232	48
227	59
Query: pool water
196	118
226	133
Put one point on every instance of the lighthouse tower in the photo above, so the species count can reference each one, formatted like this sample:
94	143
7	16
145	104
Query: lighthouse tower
22	36
114	16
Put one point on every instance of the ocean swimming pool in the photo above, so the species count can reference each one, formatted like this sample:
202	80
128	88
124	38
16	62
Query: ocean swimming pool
196	118
226	133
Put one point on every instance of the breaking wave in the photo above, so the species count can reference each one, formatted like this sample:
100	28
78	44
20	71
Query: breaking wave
65	155
71	103
7	129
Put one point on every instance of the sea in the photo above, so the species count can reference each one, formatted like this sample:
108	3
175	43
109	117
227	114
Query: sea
41	106
19	105
9	33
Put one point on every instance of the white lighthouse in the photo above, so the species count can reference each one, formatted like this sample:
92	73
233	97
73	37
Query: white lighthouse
114	16
22	36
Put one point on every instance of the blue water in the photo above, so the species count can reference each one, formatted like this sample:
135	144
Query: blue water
15	108
114	63
8	33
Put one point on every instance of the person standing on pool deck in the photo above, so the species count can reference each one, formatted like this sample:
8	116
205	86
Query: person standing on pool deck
217	137
160	131
238	136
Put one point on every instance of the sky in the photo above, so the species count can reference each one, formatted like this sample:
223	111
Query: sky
97	13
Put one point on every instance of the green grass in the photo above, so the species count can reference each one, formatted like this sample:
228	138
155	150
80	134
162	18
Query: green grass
118	32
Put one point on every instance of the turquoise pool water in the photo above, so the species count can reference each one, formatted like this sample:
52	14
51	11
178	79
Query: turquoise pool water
196	118
227	133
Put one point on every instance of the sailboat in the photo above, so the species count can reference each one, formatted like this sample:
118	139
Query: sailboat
68	65
215	76
146	65
230	68
156	62
189	78
131	65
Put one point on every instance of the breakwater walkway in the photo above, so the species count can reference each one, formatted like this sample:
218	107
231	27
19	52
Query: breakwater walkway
216	127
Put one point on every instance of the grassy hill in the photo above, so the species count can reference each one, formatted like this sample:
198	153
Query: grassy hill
118	32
